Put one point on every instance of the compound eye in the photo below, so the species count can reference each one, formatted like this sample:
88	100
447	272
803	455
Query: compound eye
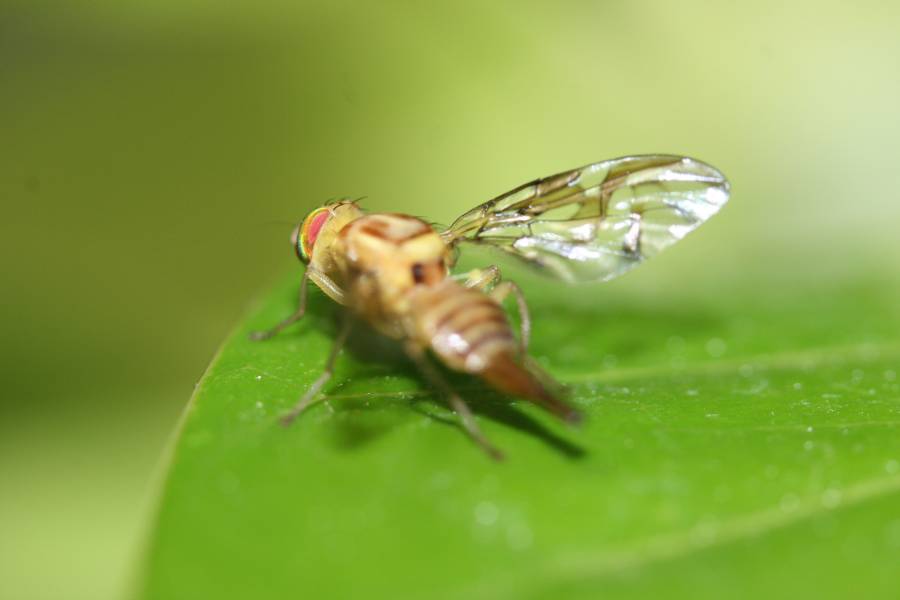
305	238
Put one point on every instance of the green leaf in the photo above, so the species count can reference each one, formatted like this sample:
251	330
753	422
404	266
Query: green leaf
739	441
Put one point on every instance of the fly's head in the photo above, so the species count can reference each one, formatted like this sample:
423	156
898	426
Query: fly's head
313	239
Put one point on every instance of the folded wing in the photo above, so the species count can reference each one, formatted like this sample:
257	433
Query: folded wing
599	221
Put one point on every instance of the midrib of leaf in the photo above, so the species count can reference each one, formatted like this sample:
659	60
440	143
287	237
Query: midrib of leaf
590	565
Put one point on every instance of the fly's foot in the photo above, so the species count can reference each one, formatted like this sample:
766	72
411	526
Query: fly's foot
258	336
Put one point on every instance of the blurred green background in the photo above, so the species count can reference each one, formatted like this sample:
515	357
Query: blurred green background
154	155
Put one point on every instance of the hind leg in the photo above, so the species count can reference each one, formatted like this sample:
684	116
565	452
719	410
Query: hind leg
417	354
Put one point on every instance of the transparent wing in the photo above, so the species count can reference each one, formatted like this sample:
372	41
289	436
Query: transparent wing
599	221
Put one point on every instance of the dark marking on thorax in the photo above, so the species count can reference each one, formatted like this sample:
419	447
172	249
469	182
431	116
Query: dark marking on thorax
418	273
394	227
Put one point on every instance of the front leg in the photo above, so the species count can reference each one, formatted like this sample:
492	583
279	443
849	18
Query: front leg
298	314
489	281
325	283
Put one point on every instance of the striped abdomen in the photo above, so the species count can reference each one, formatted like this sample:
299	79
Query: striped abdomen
463	326
469	332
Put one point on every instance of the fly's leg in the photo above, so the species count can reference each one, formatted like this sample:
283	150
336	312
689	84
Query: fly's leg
298	314
319	383
502	291
417	354
490	279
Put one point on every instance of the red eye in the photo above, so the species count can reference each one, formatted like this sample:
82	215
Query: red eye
315	227
310	231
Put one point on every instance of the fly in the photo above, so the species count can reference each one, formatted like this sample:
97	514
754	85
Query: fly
393	270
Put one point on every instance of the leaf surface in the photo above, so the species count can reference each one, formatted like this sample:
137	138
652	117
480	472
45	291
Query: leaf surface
730	433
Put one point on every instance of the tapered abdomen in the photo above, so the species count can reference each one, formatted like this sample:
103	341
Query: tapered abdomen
468	331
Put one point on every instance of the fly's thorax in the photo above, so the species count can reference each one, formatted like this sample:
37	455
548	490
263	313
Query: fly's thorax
465	327
383	256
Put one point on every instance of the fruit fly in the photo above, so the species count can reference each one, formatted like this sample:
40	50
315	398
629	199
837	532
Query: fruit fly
393	270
